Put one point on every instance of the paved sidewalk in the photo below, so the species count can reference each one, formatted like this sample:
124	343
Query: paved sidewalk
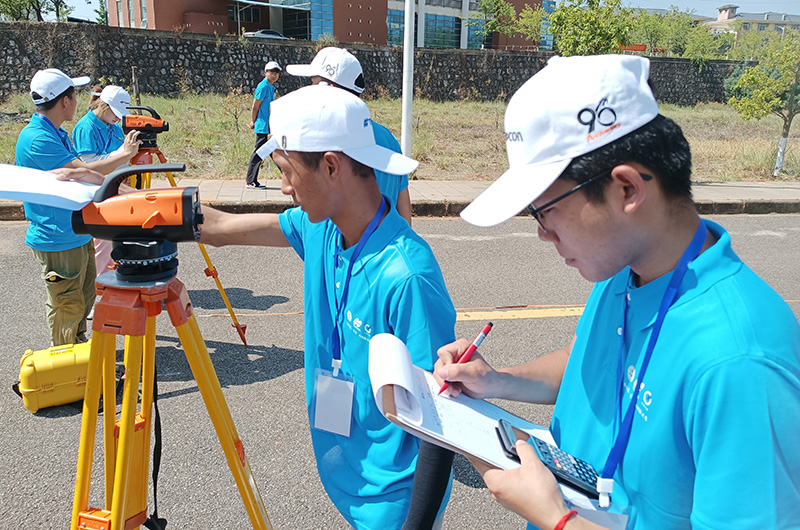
448	198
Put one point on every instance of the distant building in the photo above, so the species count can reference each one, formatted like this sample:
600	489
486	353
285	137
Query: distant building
438	23
768	21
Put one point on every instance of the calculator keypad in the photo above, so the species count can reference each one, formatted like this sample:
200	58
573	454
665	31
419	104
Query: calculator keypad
574	470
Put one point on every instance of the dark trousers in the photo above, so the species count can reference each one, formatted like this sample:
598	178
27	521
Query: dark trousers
255	161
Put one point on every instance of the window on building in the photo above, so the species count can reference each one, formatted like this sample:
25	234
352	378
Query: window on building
795	27
442	31
395	27
143	23
762	27
745	26
119	14
246	14
131	21
780	28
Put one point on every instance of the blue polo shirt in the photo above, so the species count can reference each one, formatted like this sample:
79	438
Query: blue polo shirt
41	146
714	442
93	136
389	184
266	93
396	287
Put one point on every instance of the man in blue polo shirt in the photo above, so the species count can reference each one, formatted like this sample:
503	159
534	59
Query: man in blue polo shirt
264	95
366	272
681	386
67	260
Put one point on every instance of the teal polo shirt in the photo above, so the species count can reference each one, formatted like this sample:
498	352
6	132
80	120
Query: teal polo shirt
41	146
93	136
714	442
389	184
396	287
266	93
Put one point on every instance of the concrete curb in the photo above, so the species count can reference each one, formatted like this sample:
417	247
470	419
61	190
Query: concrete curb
13	211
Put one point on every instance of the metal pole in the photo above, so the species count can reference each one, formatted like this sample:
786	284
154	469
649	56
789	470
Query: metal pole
408	78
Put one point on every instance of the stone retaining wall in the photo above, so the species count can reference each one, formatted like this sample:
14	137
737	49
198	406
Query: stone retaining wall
168	63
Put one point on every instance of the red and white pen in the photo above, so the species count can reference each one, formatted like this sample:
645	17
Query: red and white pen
470	350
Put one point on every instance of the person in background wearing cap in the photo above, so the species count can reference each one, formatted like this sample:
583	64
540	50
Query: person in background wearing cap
97	136
366	272
340	68
678	335
67	260
265	94
99	133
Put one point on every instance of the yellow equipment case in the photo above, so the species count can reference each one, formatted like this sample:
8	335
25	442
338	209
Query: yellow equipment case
54	376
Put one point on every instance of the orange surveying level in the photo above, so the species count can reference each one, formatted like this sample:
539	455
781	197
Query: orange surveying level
144	227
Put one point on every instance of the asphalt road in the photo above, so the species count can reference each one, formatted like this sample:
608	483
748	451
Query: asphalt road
485	269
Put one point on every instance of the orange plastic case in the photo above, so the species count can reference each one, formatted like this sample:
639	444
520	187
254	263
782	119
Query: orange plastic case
54	376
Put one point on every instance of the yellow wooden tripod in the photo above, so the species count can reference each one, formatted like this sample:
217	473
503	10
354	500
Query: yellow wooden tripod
130	308
145	156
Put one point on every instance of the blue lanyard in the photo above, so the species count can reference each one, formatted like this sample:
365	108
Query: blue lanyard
373	225
624	434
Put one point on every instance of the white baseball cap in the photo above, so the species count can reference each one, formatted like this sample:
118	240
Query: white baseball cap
117	99
50	83
272	65
319	118
571	107
334	64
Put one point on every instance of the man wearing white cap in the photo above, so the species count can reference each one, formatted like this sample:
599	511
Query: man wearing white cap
265	94
366	272
340	68
67	260
99	133
681	386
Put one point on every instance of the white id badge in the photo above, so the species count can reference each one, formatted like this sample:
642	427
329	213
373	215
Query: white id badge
332	406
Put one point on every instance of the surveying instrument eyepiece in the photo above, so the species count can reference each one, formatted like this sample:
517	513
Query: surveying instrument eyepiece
148	126
144	227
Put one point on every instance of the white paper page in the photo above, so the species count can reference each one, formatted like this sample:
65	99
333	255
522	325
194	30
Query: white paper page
390	364
42	187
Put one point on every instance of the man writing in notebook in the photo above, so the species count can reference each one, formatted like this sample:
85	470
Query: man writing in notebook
366	272
681	386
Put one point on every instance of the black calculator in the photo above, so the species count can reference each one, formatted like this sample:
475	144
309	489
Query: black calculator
567	469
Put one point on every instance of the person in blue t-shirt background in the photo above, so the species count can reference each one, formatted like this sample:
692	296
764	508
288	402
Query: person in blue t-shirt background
99	133
66	259
97	136
682	351
338	67
264	95
365	272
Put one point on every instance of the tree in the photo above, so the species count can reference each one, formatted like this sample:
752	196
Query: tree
702	43
529	23
494	16
15	9
61	9
679	25
102	14
590	27
773	87
40	8
649	29
750	44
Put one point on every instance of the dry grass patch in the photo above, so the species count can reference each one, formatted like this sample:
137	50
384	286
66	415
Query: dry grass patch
453	140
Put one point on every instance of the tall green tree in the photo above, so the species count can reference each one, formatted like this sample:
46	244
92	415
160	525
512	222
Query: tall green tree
649	29
102	14
773	87
61	9
15	9
750	44
529	22
39	8
702	43
590	27
494	16
679	26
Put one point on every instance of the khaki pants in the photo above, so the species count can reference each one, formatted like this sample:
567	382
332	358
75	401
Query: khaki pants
69	276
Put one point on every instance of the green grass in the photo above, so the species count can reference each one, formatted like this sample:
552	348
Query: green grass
453	140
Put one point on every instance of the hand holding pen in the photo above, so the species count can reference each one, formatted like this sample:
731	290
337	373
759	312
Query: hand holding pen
470	351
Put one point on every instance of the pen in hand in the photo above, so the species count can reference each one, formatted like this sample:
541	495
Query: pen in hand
470	350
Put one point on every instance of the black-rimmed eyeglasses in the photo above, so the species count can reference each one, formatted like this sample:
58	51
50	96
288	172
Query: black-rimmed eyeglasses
539	213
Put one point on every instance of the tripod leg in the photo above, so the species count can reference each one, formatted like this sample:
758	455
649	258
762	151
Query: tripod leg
208	384
109	415
130	397
101	342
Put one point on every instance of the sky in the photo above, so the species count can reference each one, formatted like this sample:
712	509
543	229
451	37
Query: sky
85	8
